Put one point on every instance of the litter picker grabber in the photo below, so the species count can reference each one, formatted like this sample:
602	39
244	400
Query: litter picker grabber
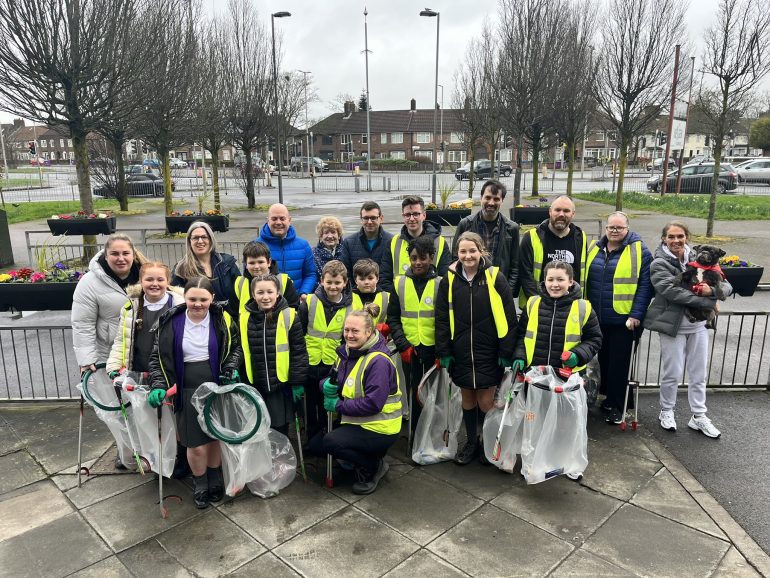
410	407
497	447
445	436
161	498
299	445
137	458
633	385
329	425
84	383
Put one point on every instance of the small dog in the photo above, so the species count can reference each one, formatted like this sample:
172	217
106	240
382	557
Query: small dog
703	270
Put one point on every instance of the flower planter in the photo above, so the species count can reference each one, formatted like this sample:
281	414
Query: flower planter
181	223
743	279
96	226
529	215
446	216
37	296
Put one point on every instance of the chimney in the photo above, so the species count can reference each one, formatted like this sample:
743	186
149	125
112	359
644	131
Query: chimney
413	105
349	107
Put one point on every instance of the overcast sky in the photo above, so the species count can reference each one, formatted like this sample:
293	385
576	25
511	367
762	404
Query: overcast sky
327	39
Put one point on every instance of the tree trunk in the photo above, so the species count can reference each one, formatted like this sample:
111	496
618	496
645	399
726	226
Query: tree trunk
168	199
621	173
519	170
471	172
120	190
714	182
215	177
570	166
84	186
535	166
249	168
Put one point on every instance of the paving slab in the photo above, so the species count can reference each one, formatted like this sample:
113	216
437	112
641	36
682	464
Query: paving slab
343	487
582	564
734	565
108	568
424	563
277	519
347	541
665	496
484	482
58	548
663	547
68	481
30	507
266	565
102	487
617	473
559	506
19	469
491	542
210	545
133	516
9	441
149	560
629	441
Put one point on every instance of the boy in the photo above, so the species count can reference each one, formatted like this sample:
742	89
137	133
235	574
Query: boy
257	261
323	316
366	274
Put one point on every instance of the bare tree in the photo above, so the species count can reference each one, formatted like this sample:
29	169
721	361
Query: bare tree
337	104
737	57
469	100
291	102
491	97
634	76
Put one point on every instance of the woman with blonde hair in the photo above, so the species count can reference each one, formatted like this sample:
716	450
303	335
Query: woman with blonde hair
329	248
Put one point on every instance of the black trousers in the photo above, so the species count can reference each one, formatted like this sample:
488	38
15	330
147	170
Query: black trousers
361	447
414	373
614	363
315	420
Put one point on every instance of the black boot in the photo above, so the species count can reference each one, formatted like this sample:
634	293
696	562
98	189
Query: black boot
181	467
216	484
119	465
201	491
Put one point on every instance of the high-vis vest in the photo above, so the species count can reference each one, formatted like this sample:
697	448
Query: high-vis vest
380	299
398	250
579	312
496	302
418	315
283	324
243	290
626	278
537	261
388	421
322	339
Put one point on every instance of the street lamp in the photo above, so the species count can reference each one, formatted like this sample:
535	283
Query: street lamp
307	127
430	14
441	127
275	103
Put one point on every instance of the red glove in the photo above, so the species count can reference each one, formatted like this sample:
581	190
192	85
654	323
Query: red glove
698	288
383	328
408	354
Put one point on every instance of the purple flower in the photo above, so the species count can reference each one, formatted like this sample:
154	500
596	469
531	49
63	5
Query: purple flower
61	266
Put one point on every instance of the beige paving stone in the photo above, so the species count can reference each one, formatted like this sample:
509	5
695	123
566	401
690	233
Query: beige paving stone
102	487
424	563
149	560
734	565
616	473
582	564
30	507
19	469
108	568
266	565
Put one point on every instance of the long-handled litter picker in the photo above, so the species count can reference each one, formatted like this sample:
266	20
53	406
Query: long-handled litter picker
446	411
410	407
329	425
299	445
161	498
497	448
137	458
84	377
633	385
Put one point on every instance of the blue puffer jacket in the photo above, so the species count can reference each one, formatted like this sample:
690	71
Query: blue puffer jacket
599	285
293	256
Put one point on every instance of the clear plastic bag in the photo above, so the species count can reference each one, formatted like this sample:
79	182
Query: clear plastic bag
592	381
435	438
283	470
504	455
234	415
554	437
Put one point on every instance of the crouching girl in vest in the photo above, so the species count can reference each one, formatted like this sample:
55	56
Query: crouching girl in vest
368	398
475	331
196	342
274	353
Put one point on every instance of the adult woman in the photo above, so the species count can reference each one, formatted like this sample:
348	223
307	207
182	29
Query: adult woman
618	287
201	259
329	248
475	331
195	342
370	407
682	343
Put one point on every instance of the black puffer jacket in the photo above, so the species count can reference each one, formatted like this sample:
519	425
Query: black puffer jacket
261	346
394	315
552	320
475	347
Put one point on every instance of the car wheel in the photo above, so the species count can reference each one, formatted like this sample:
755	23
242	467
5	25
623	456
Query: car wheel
506	173
721	189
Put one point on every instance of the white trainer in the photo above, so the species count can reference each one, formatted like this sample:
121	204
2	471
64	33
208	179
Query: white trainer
704	425
667	420
575	477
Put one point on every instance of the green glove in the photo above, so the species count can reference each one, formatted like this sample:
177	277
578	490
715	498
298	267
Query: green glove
297	391
446	362
518	366
329	389
571	361
156	397
503	362
113	374
330	403
229	377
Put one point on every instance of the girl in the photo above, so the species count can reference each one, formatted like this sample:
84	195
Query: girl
274	352
475	329
195	342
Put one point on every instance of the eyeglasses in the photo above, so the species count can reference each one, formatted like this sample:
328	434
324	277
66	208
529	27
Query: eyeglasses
616	229
411	215
377	218
197	238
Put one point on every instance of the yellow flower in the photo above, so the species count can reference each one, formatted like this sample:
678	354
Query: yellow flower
5	277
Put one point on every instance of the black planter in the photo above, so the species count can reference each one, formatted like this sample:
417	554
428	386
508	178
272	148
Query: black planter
104	226
181	224
37	296
446	216
743	279
529	215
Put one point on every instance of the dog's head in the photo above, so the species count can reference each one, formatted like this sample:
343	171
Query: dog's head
706	255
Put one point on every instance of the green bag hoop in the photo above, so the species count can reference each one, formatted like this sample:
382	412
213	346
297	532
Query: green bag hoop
248	393
87	395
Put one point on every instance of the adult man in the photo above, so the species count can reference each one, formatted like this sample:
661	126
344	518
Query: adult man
292	254
554	239
395	259
369	242
500	234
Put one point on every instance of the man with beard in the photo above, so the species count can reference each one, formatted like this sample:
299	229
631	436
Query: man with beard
500	234
556	239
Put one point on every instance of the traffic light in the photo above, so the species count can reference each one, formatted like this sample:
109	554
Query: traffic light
662	138
442	146
32	147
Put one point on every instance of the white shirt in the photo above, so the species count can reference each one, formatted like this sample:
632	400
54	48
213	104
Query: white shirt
195	341
158	305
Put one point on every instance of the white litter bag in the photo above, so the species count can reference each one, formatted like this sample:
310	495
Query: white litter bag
505	423
592	381
435	438
236	415
283	471
554	437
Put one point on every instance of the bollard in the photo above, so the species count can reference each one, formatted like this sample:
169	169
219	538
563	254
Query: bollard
357	183
6	249
388	184
383	183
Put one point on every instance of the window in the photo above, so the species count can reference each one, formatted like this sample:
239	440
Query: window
327	139
345	138
504	155
456	137
457	156
383	138
397	155
423	154
422	137
364	139
61	142
43	143
69	142
397	138
225	155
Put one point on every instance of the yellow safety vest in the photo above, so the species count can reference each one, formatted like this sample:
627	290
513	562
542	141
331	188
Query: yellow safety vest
418	316
495	301
380	299
537	262
398	250
243	290
579	313
321	339
388	421
285	319
626	278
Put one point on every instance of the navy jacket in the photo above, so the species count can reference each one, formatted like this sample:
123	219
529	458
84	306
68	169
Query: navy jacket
355	247
224	271
294	257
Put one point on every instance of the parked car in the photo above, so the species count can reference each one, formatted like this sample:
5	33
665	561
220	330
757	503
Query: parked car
697	179
657	164
175	163
698	159
754	172
141	185
482	169
301	164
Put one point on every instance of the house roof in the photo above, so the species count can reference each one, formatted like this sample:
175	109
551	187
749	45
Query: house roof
408	121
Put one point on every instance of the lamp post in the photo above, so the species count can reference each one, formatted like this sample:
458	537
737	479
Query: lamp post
307	131
275	103
441	127
430	14
368	108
